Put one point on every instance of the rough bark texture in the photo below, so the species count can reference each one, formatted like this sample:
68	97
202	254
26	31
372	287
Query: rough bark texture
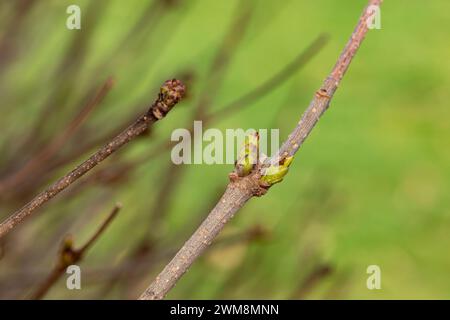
170	93
240	190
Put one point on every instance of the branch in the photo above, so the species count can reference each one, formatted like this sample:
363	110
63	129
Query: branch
170	93
69	256
241	189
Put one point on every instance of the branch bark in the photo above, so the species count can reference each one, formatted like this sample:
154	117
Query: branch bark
170	93
241	189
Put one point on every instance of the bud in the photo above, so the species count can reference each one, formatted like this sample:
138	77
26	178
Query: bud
275	173
248	156
170	93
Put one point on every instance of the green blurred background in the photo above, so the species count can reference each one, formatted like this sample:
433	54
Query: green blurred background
369	187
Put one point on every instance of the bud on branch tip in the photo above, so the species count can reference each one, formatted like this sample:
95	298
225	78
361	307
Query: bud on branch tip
170	93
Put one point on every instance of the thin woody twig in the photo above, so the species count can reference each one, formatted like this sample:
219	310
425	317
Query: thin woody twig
241	189
171	92
69	256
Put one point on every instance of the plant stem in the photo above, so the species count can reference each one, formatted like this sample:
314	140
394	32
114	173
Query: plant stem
171	92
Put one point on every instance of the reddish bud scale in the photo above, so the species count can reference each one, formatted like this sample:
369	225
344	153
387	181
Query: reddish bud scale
170	93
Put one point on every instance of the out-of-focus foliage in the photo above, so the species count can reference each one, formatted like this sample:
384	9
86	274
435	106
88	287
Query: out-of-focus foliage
370	186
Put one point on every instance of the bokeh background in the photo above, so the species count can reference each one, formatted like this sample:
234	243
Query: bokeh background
369	187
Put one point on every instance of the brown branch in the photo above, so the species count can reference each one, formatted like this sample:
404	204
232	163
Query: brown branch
241	189
69	256
170	93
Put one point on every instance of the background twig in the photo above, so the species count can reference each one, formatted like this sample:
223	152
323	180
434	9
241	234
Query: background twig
69	256
170	93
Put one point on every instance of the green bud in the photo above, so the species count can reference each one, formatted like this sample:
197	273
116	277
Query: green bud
275	172
248	156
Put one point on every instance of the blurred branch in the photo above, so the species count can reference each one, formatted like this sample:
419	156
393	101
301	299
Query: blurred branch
8	46
57	142
223	56
66	76
69	256
170	93
274	81
316	275
254	233
241	189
